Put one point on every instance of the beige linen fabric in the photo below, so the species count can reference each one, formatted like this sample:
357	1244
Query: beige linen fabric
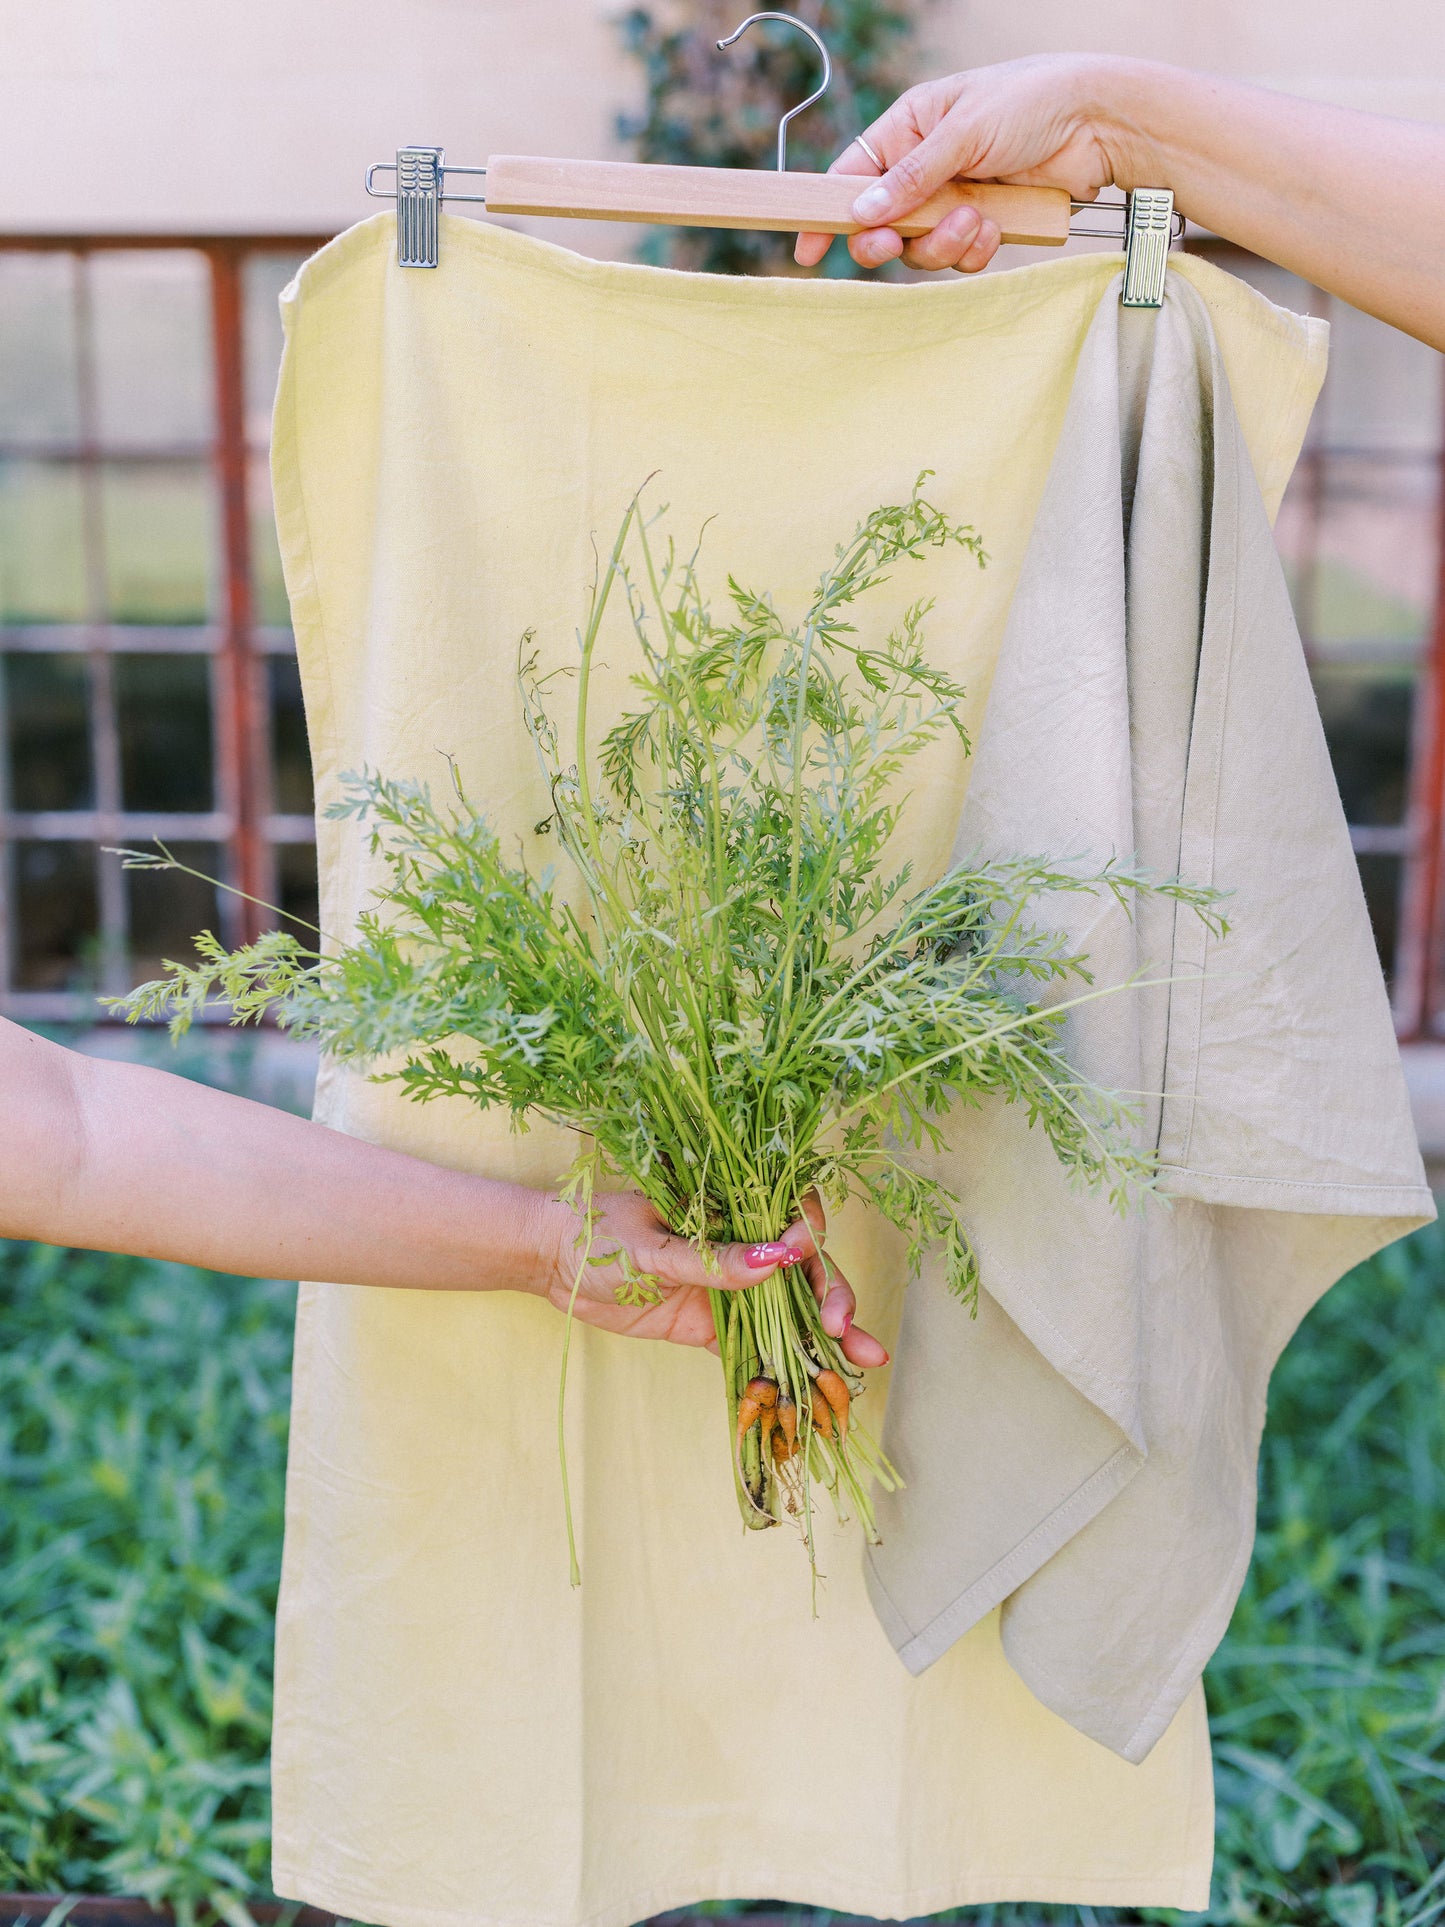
459	1737
1092	1462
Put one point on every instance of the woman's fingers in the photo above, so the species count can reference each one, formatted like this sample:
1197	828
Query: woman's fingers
811	248
630	1240
681	1270
1028	121
834	1294
831	1289
912	175
965	240
738	1266
838	1305
862	1349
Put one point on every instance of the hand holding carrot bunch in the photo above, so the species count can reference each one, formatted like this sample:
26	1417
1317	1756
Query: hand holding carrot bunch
627	1222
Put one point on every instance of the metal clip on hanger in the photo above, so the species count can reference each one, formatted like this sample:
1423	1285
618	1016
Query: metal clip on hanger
1151	225
739	197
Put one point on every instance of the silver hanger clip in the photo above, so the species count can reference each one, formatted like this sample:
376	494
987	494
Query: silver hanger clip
1146	247
1151	226
421	175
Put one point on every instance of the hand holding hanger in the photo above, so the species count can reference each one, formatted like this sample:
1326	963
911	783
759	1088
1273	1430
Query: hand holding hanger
1346	200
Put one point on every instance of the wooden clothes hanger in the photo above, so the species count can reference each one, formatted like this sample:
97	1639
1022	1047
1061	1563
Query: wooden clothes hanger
740	197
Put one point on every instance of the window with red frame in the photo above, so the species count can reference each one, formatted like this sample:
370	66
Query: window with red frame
148	682
1362	533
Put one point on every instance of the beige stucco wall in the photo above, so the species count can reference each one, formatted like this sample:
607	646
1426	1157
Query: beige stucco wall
1387	58
259	115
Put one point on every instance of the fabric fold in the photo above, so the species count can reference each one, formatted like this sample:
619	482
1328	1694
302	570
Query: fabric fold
1151	697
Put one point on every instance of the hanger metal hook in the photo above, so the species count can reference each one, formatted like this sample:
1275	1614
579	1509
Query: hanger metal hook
788	20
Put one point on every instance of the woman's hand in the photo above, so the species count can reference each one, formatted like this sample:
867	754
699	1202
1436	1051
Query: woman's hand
1032	122
1349	201
629	1239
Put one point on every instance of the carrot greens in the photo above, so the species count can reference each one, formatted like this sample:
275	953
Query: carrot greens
725	985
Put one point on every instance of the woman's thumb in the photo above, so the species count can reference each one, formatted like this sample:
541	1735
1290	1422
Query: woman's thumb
740	1265
911	179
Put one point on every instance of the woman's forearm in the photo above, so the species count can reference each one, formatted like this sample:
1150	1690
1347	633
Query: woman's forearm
116	1157
1352	202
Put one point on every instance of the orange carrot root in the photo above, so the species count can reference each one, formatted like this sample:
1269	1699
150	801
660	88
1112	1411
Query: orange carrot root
822	1414
836	1393
788	1419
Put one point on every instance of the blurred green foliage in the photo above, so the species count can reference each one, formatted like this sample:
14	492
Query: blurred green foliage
142	1441
703	108
143	1412
1328	1696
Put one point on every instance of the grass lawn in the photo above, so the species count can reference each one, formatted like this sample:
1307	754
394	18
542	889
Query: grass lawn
142	1447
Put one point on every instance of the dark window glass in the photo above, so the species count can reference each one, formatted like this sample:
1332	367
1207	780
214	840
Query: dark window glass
167	909
296	885
163	704
1381	878
1367	725
56	920
290	750
47	725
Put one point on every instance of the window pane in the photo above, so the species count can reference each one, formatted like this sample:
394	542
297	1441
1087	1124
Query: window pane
1381	878
47	724
1294	535
38	396
264	276
167	909
163	705
268	586
290	750
1367	723
1384	389
152	321
296	883
56	920
1366	590
42	557
160	541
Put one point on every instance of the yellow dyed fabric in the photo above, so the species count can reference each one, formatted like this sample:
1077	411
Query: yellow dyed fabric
459	1736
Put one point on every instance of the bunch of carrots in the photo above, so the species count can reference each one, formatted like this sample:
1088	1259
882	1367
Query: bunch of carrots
738	997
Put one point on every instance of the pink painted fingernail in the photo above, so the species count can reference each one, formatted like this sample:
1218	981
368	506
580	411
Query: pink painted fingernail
886	1357
847	1325
764	1257
792	1256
